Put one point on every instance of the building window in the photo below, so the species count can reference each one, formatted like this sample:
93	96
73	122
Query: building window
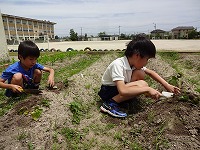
30	23
12	28
25	29
10	20
19	29
18	21
24	21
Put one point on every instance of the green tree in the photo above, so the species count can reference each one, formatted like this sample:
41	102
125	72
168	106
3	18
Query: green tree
56	37
101	33
73	35
193	34
85	37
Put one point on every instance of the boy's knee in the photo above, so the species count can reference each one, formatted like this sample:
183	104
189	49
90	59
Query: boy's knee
17	78
138	75
37	73
143	83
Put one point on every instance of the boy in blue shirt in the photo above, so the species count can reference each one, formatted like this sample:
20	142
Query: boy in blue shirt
27	73
124	77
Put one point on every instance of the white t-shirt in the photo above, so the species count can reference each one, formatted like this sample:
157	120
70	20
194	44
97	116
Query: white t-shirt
119	69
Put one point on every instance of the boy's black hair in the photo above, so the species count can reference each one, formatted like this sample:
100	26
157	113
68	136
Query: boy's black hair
142	46
28	48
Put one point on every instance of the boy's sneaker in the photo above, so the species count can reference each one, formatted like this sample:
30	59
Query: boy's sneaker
112	108
35	85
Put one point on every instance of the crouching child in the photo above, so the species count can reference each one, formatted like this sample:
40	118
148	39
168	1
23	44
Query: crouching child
26	73
124	77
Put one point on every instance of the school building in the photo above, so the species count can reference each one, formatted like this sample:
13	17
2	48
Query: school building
21	28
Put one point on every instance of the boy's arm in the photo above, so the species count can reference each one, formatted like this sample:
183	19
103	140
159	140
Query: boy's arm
159	79
13	87
51	76
133	89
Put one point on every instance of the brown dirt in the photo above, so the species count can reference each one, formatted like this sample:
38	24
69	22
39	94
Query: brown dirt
168	124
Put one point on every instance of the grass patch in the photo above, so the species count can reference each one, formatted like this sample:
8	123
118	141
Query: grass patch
169	55
56	57
77	66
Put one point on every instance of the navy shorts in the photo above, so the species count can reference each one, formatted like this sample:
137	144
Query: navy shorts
26	85
107	92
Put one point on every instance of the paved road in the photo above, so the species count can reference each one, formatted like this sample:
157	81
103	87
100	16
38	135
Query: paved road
175	45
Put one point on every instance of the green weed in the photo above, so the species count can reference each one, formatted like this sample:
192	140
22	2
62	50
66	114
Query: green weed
136	146
174	81
77	110
106	146
45	102
150	117
136	131
56	146
188	64
22	135
109	126
118	136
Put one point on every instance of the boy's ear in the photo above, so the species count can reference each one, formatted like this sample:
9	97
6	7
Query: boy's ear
20	57
137	54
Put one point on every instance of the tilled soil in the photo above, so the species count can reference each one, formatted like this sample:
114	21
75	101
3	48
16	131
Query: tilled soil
166	124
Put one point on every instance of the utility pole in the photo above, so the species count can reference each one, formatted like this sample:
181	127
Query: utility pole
155	31
154	26
81	33
119	32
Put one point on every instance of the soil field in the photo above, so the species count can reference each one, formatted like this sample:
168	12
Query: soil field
69	117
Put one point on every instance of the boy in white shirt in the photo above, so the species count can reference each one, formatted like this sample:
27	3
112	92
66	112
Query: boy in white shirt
124	77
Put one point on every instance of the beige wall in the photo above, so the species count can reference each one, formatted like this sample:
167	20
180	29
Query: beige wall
4	55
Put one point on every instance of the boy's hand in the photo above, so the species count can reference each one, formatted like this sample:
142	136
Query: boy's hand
50	82
154	94
173	89
16	89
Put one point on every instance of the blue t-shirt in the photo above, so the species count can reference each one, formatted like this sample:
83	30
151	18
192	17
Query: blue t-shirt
17	68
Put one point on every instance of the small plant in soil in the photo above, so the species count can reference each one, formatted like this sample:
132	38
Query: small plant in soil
87	86
136	146
23	111
159	140
36	113
30	146
189	97
175	80
72	137
136	131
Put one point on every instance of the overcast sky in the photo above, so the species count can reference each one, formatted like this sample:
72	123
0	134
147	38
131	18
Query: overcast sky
110	16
